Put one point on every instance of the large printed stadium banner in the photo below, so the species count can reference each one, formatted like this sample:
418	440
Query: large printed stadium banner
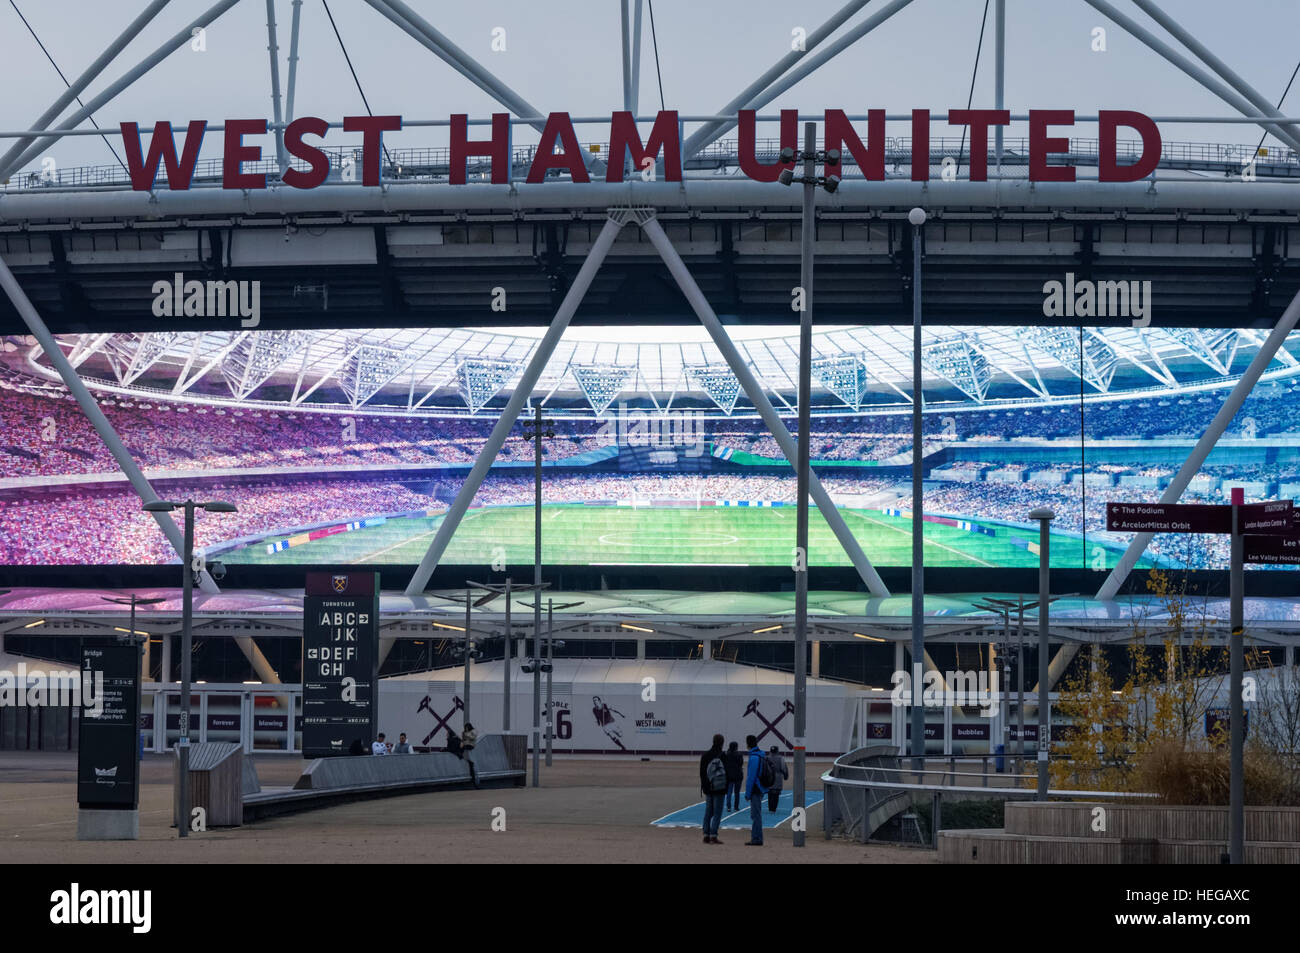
624	484
340	663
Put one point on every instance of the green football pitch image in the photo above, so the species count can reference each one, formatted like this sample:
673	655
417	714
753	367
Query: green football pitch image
576	534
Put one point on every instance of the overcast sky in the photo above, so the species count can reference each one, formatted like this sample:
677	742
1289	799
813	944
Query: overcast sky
565	56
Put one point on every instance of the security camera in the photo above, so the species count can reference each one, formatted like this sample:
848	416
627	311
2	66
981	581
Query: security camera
786	177
217	570
832	156
558	644
832	183
787	155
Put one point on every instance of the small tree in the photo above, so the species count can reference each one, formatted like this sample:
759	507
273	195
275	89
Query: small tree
1097	754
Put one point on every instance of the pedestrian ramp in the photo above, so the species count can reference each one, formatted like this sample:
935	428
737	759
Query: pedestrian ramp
693	816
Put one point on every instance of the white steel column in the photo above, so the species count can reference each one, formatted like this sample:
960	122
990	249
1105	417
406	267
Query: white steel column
754	391
1000	72
701	139
711	130
420	30
1230	76
82	81
1229	96
627	54
572	298
148	63
273	48
292	84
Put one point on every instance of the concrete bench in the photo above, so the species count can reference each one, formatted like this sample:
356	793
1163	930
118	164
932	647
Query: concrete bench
496	760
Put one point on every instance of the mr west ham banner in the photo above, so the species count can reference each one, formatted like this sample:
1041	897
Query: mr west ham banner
559	149
340	663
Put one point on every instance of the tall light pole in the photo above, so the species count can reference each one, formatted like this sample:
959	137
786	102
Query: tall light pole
916	217
492	591
1044	517
547	666
810	181
188	573
538	430
1236	702
132	633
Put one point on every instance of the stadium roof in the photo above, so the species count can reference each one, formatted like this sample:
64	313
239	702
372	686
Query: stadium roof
459	371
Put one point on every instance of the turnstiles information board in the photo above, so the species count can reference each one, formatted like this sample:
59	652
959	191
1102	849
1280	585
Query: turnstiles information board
340	663
108	733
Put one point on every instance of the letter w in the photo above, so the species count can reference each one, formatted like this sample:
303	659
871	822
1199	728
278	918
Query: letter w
162	146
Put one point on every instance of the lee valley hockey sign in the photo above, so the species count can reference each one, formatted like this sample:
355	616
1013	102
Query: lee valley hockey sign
559	149
340	663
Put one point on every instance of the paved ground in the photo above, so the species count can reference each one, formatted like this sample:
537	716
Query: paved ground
593	811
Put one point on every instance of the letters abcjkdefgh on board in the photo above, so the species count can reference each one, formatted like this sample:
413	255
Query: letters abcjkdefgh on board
340	641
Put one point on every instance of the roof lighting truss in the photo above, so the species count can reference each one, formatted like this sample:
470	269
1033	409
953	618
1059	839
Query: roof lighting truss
252	361
601	383
1098	362
481	378
844	376
959	362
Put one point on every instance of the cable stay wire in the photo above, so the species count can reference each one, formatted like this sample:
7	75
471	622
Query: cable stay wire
30	30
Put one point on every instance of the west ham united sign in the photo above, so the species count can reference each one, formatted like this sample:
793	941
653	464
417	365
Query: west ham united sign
340	663
559	149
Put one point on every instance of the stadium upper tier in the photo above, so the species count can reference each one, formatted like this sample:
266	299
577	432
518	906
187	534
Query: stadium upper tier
461	372
44	434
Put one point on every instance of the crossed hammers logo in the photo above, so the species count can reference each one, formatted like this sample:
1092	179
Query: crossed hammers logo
787	709
456	705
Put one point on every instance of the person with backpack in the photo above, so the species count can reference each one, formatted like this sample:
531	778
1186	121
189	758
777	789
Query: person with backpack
758	779
713	785
735	763
779	773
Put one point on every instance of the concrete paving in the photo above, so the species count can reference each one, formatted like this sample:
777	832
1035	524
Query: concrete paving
588	810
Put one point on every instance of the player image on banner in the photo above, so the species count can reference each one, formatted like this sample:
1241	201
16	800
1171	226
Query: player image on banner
605	718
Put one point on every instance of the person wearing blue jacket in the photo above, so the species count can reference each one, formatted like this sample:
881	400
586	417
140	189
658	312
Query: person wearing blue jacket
754	791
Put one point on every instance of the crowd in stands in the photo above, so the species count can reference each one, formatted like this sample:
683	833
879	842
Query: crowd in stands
108	526
47	435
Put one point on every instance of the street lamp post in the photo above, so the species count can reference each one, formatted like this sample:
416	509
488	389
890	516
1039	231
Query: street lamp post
548	666
134	601
539	429
1044	517
810	181
188	572
917	219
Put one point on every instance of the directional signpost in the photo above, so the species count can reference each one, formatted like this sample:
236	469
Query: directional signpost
1261	533
108	745
340	665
